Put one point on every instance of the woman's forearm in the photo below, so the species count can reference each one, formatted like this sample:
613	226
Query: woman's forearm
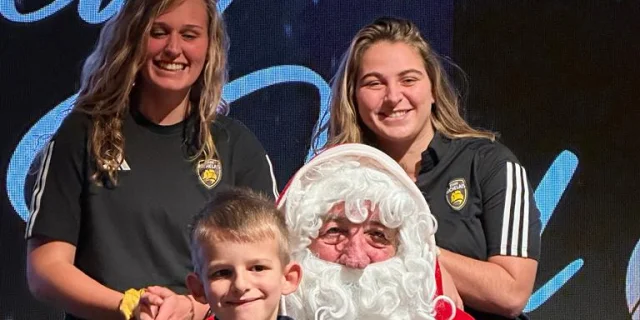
60	283
492	287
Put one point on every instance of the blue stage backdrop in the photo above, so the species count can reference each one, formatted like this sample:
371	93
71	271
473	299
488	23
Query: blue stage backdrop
558	80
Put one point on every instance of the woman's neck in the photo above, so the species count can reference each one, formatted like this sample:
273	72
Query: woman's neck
163	108
408	154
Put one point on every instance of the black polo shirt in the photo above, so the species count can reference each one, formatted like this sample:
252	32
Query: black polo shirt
136	234
482	199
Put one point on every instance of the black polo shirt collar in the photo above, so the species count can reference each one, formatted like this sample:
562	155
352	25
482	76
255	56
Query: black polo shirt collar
438	148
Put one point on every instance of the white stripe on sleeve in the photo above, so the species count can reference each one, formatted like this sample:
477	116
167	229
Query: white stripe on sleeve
517	212
525	217
36	198
507	210
273	178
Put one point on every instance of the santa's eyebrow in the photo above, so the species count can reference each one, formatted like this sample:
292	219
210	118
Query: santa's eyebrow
375	222
337	219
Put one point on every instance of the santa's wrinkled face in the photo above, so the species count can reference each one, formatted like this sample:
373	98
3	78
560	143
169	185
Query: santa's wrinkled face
354	245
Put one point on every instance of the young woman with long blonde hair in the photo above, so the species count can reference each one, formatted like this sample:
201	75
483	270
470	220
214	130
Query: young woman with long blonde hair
140	154
392	92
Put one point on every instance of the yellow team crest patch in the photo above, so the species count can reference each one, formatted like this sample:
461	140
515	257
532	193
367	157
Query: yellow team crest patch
457	193
209	172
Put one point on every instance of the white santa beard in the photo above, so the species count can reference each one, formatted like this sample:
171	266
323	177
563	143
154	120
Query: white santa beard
398	288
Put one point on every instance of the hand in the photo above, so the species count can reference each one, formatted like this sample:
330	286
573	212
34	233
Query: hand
171	305
148	306
449	288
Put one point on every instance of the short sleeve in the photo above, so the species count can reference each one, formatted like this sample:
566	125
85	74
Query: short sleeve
510	218
252	164
55	204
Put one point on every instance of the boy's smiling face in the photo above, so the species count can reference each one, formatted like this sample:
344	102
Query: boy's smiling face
243	280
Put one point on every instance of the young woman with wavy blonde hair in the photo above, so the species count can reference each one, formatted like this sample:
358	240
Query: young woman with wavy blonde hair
140	154
110	73
392	92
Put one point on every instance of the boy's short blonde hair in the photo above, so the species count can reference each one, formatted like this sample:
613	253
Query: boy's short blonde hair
239	215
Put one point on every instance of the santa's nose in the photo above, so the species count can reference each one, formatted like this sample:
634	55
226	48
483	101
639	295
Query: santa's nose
354	254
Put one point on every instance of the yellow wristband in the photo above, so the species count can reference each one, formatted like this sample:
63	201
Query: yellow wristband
130	302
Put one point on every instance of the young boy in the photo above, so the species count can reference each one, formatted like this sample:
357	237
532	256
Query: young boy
240	251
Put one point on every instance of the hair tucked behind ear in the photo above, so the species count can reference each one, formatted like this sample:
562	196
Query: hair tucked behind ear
345	125
109	73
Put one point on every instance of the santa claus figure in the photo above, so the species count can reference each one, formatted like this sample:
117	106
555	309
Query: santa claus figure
364	236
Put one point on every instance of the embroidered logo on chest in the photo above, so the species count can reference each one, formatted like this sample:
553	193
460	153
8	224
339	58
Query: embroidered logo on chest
457	193
209	172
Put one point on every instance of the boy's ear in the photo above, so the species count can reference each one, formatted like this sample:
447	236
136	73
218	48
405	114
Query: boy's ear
196	287
292	276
